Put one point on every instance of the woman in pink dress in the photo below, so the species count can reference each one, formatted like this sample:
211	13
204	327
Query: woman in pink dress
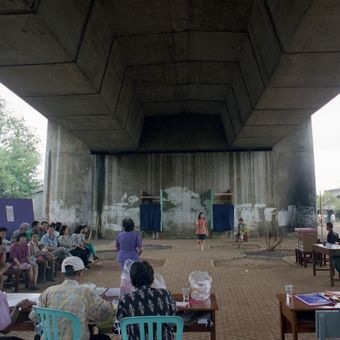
201	230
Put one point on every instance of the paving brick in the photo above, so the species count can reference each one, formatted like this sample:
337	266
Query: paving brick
245	287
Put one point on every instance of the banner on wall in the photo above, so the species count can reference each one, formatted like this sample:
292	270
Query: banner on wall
13	212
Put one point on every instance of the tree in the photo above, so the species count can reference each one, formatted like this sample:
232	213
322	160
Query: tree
328	201
19	156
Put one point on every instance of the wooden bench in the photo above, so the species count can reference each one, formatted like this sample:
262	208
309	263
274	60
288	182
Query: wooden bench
13	278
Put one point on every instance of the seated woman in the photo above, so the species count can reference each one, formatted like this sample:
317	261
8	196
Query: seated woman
89	246
42	257
71	245
145	300
20	260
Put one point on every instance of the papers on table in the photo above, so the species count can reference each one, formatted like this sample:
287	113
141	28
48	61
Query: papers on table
314	299
14	298
100	290
181	304
112	292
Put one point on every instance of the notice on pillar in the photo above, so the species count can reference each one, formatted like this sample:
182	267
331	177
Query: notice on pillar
10	213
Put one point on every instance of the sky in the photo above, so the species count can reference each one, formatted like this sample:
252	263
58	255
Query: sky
325	123
33	118
326	140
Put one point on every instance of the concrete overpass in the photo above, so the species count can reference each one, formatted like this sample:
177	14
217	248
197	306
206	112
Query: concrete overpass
175	94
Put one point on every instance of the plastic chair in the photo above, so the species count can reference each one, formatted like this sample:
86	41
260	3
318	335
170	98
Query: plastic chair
47	319
327	324
151	321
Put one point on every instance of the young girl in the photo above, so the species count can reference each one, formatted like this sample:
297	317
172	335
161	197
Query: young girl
201	230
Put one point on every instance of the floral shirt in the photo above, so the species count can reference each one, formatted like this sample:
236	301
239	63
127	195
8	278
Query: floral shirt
81	301
143	302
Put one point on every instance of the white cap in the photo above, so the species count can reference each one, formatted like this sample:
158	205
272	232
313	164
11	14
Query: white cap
74	261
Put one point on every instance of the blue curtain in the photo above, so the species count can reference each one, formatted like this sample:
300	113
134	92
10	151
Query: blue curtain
150	217
223	217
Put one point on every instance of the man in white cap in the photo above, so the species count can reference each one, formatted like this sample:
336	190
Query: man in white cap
79	300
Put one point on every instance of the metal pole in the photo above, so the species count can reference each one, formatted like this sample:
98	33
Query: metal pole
321	217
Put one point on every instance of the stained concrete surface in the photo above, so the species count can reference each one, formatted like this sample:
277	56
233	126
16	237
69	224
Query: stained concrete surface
245	287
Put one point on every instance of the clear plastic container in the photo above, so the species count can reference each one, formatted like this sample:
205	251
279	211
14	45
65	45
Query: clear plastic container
200	283
125	280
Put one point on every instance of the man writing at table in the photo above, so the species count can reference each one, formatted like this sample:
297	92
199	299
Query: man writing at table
79	300
8	318
333	237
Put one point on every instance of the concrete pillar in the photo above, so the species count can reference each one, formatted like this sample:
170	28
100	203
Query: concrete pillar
294	177
68	187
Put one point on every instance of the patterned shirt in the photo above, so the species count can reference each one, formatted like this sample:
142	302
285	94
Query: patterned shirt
79	300
77	239
144	302
201	226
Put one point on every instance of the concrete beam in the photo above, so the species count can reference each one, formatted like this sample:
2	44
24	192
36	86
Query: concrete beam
66	20
45	80
263	40
185	132
25	40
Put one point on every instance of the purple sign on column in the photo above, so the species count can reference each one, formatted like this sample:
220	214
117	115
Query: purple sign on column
13	212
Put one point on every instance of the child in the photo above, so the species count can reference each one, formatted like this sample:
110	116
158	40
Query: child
201	230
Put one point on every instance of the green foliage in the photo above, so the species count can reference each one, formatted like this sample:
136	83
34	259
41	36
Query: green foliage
19	157
328	201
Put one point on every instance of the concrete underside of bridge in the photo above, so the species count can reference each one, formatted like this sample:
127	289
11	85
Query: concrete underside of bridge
178	95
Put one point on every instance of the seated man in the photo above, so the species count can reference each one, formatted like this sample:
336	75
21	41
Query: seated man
34	229
145	300
8	319
3	264
332	236
79	300
49	240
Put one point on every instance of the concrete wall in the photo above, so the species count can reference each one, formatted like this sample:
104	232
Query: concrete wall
37	199
270	188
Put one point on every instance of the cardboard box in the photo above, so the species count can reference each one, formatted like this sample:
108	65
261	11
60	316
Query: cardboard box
306	237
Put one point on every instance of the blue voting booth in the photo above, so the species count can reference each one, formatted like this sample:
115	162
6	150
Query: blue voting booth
150	211
219	210
13	212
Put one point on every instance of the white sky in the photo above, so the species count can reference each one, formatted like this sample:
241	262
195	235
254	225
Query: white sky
326	137
34	119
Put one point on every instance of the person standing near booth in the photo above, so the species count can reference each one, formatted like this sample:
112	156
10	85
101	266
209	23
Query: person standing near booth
129	243
201	230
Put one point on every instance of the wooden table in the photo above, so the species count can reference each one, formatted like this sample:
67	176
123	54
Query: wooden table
298	317
330	251
209	306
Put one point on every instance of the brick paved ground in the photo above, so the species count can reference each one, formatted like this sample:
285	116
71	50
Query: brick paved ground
245	287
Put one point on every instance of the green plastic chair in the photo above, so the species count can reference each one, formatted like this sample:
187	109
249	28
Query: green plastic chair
47	319
327	324
151	322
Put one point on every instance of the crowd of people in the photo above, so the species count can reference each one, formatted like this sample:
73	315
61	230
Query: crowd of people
38	248
78	299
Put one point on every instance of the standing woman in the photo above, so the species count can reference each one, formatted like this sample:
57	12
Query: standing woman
129	243
201	230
